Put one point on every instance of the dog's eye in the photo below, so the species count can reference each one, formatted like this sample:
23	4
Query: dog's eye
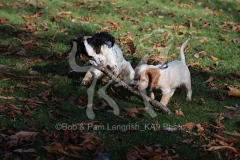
143	80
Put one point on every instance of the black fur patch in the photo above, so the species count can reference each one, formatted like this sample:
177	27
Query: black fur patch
95	42
99	39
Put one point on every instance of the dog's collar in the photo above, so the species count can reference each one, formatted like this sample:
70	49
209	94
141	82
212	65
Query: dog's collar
163	66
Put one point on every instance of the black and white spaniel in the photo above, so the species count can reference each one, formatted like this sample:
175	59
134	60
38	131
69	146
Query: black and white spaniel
102	50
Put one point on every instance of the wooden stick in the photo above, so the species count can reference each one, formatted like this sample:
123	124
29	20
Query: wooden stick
154	103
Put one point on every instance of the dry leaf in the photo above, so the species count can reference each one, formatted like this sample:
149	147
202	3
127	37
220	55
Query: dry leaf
214	58
59	148
25	135
22	52
186	5
210	79
206	24
200	129
132	48
233	92
7	97
64	14
45	83
214	148
19	85
231	108
179	112
237	74
234	133
203	40
189	125
203	53
32	72
196	55
133	112
188	141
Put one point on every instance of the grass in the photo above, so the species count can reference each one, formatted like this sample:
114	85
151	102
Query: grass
142	18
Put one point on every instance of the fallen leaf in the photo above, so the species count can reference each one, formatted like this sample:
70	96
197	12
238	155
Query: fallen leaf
217	14
59	148
203	53
200	129
214	58
227	140
210	79
196	55
188	141
3	20
214	148
179	113
22	52
7	97
32	72
45	83
234	133
64	14
133	112
206	24
237	74
25	135
231	108
233	92
19	85
203	40
189	125
132	48
218	125
186	5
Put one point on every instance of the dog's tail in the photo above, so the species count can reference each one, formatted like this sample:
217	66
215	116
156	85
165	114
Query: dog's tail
182	50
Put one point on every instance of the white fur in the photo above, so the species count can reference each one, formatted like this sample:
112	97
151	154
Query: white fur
175	75
111	57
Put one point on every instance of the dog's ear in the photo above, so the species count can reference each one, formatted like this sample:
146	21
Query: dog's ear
154	75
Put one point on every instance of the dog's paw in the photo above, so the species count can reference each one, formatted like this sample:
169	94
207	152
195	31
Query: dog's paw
85	83
92	62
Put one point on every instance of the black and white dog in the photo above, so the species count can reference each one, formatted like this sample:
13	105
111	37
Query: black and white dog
102	50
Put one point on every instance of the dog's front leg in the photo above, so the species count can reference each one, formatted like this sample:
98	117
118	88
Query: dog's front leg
111	63
152	95
166	96
114	68
89	75
87	78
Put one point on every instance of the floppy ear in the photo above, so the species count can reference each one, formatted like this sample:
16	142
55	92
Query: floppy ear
154	75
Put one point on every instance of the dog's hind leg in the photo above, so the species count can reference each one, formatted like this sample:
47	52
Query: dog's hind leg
172	91
189	92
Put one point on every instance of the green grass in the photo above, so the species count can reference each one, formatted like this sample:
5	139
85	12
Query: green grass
48	39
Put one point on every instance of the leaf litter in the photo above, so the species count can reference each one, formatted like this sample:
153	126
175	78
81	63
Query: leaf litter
21	142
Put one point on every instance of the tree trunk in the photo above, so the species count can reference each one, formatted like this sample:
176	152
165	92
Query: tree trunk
154	103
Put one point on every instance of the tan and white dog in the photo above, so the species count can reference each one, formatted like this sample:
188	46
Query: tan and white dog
167	79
